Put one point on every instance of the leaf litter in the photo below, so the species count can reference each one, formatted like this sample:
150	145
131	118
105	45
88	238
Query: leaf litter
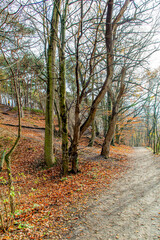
47	204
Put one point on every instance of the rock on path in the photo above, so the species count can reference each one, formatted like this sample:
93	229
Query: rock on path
130	210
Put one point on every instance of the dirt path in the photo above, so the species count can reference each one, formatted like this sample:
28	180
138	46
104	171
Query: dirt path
130	209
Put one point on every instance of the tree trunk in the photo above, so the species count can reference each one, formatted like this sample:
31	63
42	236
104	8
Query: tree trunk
63	108
148	114
154	133
76	133
109	135
74	156
117	134
91	141
9	153
51	73
97	130
113	120
74	143
58	118
104	117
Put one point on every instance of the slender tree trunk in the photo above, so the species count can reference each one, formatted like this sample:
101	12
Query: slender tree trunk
104	117
74	143
117	135
9	153
97	130
109	135
109	111
51	72
154	133
148	113
20	96
91	142
58	118
27	94
63	108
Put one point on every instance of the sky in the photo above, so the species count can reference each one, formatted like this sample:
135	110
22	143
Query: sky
154	60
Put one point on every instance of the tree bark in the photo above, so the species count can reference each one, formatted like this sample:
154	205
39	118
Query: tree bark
58	118
74	143
63	108
110	134
117	134
51	74
91	142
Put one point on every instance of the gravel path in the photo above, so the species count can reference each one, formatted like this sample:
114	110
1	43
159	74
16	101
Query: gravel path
130	209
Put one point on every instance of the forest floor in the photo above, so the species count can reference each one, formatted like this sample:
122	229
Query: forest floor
117	198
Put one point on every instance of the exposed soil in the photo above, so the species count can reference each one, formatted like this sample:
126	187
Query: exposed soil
130	209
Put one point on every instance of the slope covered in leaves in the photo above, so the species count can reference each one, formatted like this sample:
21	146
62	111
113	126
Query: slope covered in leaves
47	203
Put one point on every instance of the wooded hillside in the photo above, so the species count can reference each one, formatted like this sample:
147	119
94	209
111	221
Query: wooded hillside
76	81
